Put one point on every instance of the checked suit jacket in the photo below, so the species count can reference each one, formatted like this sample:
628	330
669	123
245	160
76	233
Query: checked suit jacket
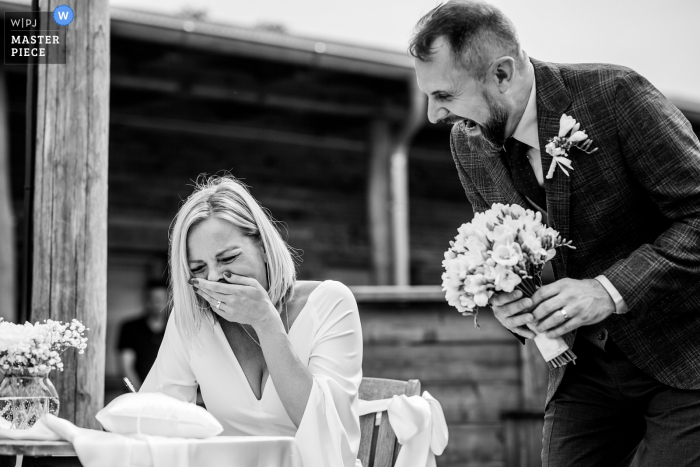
632	209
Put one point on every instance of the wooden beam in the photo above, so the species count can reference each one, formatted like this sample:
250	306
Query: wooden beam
8	271
259	44
219	130
254	97
70	202
398	293
378	201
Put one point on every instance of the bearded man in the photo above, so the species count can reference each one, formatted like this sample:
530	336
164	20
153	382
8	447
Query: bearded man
628	297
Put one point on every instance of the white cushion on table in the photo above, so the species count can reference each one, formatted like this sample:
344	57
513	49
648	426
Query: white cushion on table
156	414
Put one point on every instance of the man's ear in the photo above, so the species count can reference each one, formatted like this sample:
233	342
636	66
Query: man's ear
502	71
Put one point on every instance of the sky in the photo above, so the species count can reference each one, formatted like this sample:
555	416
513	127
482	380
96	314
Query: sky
658	38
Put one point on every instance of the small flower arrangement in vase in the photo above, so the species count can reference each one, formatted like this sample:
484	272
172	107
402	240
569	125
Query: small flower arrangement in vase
28	353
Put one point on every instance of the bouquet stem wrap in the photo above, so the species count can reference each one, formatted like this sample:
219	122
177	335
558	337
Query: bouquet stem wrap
554	351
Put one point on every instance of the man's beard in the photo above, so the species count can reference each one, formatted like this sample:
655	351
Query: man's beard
493	132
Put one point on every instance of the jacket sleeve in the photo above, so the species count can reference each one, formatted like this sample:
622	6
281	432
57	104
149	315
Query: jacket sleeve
663	153
477	201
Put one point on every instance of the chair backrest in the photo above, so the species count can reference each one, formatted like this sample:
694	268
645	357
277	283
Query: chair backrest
378	445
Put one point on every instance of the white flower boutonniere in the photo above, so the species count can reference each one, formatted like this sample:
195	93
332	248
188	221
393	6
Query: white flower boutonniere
559	146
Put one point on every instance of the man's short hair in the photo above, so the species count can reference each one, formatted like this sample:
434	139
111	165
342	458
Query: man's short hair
475	31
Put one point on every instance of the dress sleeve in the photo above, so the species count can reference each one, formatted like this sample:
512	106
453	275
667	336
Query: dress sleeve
171	373
329	432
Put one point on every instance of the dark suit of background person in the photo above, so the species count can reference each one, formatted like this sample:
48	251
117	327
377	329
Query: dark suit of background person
140	338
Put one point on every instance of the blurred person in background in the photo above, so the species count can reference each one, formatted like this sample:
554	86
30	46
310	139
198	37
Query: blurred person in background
140	338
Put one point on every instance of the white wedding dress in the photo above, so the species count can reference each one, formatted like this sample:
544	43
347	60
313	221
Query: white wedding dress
326	336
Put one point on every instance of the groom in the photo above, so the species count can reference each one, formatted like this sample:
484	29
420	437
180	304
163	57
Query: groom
628	297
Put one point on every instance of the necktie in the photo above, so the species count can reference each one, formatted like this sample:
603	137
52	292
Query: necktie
522	174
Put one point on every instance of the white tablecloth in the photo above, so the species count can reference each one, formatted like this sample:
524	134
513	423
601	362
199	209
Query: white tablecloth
223	451
102	449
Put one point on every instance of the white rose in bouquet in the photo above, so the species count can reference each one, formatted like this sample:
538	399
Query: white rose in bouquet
500	250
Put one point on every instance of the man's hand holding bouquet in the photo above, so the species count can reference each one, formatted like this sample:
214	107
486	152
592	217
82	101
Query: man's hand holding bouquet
500	251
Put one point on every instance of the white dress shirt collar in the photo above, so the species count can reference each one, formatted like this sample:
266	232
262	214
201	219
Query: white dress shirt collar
526	131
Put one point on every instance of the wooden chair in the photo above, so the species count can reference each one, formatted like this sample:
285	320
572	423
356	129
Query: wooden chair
378	444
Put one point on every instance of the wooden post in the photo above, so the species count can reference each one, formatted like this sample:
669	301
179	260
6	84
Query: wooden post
387	193
523	428
399	215
523	438
378	199
8	271
70	202
534	374
399	183
534	370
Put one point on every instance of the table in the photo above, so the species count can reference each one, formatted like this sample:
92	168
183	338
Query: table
218	451
38	453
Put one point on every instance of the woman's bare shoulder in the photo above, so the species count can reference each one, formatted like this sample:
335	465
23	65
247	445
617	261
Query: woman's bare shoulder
303	289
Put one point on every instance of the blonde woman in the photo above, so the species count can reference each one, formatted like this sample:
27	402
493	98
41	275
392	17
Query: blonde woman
272	356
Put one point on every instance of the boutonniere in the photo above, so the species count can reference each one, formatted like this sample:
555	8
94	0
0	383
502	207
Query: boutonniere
558	147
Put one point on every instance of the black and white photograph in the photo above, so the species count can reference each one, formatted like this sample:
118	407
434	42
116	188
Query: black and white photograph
380	233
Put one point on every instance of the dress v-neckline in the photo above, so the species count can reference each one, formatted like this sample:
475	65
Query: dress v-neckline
265	382
239	367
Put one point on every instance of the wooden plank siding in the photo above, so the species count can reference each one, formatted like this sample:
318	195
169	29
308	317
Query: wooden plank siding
474	373
298	135
320	195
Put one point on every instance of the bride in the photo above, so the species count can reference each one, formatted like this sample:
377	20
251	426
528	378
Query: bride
272	356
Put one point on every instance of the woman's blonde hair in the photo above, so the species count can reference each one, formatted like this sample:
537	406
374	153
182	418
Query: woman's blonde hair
224	197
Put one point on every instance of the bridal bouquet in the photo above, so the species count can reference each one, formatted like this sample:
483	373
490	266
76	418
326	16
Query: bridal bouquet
500	250
36	348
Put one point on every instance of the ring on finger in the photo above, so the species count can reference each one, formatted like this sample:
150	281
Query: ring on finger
564	314
218	304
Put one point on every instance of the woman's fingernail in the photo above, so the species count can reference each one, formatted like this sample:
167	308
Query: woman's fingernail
227	274
193	282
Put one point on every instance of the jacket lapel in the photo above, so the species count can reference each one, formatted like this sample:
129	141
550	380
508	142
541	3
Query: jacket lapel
552	101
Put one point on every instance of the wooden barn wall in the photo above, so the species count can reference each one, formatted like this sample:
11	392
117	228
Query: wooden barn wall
320	195
474	373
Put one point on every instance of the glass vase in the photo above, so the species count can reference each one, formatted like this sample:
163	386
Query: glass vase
25	398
